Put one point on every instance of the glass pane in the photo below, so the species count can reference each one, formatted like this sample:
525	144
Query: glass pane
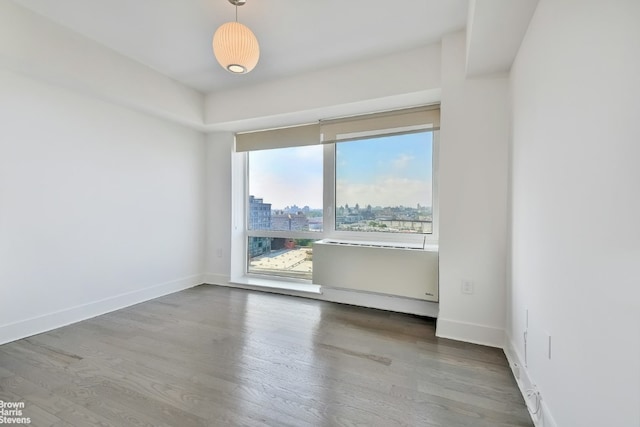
285	189
281	257
385	184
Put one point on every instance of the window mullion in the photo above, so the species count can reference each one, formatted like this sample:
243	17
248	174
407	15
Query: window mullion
329	188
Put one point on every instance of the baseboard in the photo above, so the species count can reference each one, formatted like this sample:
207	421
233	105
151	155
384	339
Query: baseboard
216	279
342	296
470	332
36	325
525	382
379	301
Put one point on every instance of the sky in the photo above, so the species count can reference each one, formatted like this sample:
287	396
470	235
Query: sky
287	176
387	171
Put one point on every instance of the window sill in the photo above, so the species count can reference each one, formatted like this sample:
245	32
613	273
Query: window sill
278	284
430	247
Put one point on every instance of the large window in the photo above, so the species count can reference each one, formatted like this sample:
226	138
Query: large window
285	210
369	179
385	184
285	189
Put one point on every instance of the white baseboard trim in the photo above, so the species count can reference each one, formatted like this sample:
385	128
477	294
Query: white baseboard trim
382	302
525	382
216	279
363	299
36	325
470	332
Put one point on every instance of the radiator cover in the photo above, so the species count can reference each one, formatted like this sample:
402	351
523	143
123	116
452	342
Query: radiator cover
398	271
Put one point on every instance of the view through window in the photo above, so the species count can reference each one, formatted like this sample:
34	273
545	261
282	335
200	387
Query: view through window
381	184
384	184
285	196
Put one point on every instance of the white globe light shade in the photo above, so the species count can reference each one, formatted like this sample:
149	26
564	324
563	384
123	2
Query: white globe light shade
236	48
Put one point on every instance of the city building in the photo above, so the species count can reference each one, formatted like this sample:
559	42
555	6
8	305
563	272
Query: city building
259	219
282	220
259	214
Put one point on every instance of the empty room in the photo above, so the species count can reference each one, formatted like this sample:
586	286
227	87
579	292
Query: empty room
320	213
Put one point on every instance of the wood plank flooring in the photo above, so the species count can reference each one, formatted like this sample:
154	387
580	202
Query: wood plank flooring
214	356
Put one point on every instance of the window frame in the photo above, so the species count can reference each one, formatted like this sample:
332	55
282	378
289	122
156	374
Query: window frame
373	237
285	234
240	209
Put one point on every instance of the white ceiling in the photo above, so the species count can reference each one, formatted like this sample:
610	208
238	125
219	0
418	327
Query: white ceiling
174	36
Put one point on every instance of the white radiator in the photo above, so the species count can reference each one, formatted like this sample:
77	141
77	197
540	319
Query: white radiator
398	271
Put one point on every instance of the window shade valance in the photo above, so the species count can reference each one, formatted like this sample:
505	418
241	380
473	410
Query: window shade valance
386	122
278	138
328	131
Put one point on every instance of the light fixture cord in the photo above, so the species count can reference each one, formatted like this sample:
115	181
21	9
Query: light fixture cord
236	12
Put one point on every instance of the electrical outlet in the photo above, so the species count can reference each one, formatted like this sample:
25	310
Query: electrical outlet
219	253
525	335
516	371
549	346
467	287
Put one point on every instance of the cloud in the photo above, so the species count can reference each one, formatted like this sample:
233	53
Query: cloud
388	191
287	189
307	152
291	194
287	176
402	161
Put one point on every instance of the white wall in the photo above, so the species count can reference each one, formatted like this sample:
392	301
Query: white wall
36	46
393	81
495	29
575	210
219	146
100	206
473	200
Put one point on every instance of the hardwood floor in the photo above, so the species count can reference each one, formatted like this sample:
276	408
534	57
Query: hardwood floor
213	356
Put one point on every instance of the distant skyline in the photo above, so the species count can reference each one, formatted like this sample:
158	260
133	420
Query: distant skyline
388	171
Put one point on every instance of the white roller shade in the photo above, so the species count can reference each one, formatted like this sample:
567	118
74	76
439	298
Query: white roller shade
328	131
387	122
278	138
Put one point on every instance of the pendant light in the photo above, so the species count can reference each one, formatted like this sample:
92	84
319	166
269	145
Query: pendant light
235	46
